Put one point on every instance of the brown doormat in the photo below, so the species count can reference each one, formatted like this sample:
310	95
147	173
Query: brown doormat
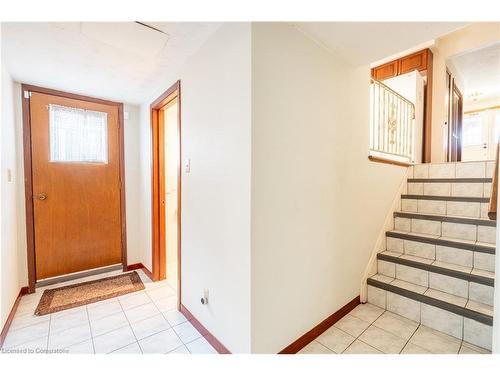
67	297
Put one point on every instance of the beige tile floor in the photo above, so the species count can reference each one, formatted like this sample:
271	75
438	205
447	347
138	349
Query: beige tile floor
369	329
143	322
148	322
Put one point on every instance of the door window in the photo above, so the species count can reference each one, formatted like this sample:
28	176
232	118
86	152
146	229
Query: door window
78	135
472	131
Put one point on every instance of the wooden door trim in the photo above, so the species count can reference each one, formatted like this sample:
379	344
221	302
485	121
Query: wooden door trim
28	175
5	330
317	330
456	90
158	175
427	134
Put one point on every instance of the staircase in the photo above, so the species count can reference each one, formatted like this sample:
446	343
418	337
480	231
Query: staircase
438	267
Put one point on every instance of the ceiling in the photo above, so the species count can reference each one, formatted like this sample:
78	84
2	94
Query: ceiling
362	43
122	61
480	72
128	62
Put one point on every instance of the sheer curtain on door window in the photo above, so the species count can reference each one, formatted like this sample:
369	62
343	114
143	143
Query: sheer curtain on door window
78	135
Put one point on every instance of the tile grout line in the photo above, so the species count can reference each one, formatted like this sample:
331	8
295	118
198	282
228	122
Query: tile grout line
175	332
316	341
358	337
130	326
180	346
151	298
183	343
90	327
387	331
115	329
26	326
48	332
408	341
463	332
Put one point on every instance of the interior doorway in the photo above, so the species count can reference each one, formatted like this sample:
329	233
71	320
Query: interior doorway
474	117
166	187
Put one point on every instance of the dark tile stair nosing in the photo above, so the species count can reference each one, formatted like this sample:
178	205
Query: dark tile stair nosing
462	311
445	198
441	242
448	219
451	180
437	269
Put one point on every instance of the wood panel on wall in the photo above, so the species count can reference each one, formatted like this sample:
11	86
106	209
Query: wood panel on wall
385	71
415	61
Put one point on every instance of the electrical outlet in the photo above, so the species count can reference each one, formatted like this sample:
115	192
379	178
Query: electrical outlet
204	299
9	175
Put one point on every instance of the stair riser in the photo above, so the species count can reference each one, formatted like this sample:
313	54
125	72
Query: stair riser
451	285
450	189
461	257
449	208
453	170
430	293
459	231
441	320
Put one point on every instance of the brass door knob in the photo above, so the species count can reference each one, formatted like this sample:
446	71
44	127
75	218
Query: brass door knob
42	196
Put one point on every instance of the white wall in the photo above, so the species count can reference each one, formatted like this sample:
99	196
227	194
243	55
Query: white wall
144	197
216	131
472	37
481	104
133	184
11	273
318	204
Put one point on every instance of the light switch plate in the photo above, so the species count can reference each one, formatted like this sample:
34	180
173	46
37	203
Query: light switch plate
9	175
187	165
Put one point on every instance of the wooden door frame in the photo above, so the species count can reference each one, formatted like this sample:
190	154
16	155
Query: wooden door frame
456	90
28	176
449	84
158	187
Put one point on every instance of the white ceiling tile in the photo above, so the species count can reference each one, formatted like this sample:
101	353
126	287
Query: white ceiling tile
121	61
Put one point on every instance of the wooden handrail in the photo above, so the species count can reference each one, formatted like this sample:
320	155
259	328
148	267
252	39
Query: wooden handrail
492	210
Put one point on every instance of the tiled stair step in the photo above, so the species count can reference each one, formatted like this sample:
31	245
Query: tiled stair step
446	198
447	219
455	187
451	180
409	292
458	244
479	277
446	205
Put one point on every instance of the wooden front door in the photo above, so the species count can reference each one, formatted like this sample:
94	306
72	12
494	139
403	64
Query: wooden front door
75	154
